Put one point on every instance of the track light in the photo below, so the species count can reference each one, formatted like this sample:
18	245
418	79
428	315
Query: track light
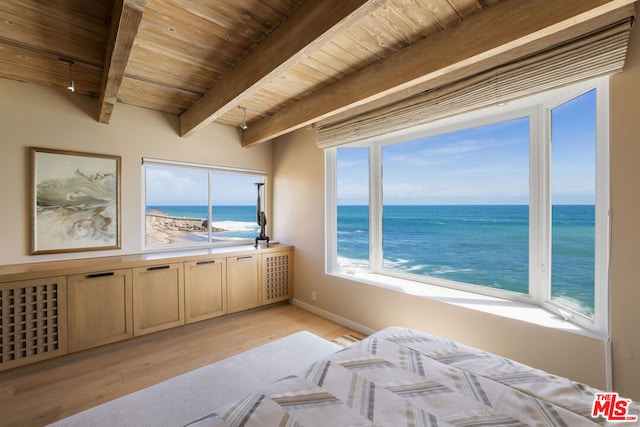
71	87
243	125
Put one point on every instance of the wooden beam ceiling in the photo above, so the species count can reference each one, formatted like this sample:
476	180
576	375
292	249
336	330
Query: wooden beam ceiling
503	32
125	22
306	30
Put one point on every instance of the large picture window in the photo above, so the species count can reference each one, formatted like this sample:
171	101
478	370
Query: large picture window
510	201
456	205
192	205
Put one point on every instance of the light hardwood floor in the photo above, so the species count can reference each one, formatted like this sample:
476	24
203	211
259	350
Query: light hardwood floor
48	391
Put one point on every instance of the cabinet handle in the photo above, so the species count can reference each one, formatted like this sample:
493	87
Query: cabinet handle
94	275
206	262
244	258
160	267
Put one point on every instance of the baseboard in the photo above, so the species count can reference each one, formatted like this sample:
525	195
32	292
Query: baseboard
333	317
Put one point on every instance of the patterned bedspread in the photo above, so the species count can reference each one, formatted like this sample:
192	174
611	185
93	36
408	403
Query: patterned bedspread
401	377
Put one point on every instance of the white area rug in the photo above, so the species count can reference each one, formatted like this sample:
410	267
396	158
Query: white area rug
187	397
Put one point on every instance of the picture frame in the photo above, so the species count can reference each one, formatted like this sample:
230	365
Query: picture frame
74	201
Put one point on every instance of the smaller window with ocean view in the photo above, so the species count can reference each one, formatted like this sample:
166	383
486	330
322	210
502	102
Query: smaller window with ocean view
573	190
353	208
189	205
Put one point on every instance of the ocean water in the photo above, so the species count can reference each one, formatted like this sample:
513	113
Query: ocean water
483	245
238	221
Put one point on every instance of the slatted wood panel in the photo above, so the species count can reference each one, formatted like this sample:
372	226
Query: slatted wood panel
277	270
32	321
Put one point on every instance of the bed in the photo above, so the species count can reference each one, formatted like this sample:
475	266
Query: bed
403	377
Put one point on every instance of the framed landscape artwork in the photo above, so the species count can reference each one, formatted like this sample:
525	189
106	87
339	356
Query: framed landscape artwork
74	201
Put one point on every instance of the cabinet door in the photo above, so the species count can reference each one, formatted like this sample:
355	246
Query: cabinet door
158	298
100	310
277	274
205	289
243	288
33	321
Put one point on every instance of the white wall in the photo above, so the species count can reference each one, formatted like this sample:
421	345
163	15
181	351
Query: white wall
625	222
40	117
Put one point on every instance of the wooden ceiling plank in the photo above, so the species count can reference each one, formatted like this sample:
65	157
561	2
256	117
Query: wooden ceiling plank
465	7
189	77
344	55
252	20
154	97
75	31
442	12
367	43
330	65
506	29
412	14
313	24
31	67
176	27
126	18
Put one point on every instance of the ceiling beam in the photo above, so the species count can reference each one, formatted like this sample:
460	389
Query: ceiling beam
125	22
310	27
503	32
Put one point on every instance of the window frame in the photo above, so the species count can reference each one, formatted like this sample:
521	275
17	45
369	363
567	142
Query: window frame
210	169
538	108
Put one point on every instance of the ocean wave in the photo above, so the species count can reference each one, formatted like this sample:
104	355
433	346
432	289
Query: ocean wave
444	269
574	305
410	266
236	225
345	263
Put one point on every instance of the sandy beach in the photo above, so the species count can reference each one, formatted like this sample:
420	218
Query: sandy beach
162	229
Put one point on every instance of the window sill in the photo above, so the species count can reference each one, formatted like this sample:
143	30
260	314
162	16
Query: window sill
521	311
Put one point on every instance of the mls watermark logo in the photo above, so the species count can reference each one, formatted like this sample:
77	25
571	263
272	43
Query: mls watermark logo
612	407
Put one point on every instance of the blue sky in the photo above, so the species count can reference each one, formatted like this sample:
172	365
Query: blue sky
188	187
483	165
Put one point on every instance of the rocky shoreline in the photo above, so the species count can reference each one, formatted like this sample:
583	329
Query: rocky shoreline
162	229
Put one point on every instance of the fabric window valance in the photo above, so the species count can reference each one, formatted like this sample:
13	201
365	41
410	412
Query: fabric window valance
593	55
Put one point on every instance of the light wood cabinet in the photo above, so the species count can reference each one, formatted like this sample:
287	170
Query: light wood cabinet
53	308
243	284
158	298
277	276
205	289
100	308
33	319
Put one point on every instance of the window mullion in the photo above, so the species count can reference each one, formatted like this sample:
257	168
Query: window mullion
540	245
209	211
375	207
331	206
601	282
